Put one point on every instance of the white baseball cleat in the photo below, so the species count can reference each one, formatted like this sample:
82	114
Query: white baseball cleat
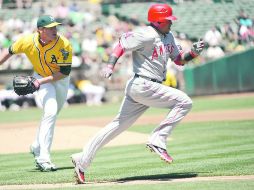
161	152
46	166
79	173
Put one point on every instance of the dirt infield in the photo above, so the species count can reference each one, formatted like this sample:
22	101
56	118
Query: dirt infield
130	182
72	134
75	133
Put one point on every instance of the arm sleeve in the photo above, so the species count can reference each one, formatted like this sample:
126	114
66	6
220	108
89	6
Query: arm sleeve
118	50
65	70
132	41
176	50
18	46
10	50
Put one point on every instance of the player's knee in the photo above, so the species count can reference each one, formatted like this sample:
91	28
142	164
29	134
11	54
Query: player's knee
49	113
188	103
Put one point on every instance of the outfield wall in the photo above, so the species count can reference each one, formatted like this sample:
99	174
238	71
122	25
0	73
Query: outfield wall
234	73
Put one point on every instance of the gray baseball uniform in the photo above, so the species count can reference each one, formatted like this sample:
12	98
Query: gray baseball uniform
150	51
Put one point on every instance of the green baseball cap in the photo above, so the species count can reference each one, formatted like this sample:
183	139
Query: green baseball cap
47	21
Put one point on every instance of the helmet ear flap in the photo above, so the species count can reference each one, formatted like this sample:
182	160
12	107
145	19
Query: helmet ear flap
156	24
160	24
163	24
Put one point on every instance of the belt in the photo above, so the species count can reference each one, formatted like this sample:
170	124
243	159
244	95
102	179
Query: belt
147	78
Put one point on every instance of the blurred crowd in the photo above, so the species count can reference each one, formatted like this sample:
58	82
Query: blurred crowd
231	37
92	36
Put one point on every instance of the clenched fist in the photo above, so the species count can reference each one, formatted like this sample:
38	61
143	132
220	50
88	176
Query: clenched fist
198	47
107	71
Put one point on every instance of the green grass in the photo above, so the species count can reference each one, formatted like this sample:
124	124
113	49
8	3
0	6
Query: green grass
206	104
199	149
110	110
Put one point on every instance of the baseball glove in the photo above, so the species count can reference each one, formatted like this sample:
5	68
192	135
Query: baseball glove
24	85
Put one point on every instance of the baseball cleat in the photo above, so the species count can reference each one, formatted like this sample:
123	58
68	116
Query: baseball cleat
161	152
79	174
46	166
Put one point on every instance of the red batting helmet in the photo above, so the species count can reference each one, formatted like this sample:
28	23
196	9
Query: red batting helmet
160	13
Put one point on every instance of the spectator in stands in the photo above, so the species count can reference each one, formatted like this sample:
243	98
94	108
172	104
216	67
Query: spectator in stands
24	4
227	32
245	29
15	23
73	7
6	41
93	93
244	23
76	44
214	52
9	100
89	44
213	38
241	15
251	35
61	12
42	9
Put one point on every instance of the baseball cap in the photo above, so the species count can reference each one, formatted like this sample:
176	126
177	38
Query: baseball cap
47	21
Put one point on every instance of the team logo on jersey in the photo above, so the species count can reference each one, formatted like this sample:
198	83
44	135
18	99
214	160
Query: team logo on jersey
65	54
53	59
161	50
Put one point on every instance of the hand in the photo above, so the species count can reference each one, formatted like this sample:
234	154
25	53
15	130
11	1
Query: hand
107	71
24	85
198	47
36	84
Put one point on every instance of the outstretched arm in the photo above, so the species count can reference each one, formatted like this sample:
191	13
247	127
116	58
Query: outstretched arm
54	77
5	54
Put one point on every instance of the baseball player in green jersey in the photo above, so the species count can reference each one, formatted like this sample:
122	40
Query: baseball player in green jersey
151	46
51	56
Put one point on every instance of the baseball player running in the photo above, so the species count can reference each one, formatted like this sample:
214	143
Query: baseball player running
151	48
51	57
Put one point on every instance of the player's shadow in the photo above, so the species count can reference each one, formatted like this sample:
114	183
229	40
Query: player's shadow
159	177
58	169
65	168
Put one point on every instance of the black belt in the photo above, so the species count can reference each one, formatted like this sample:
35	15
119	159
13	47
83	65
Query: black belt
147	78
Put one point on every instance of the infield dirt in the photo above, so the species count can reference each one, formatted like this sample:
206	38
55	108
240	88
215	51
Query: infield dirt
74	134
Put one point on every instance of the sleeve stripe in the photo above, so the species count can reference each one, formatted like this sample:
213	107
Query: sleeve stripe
10	50
63	64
